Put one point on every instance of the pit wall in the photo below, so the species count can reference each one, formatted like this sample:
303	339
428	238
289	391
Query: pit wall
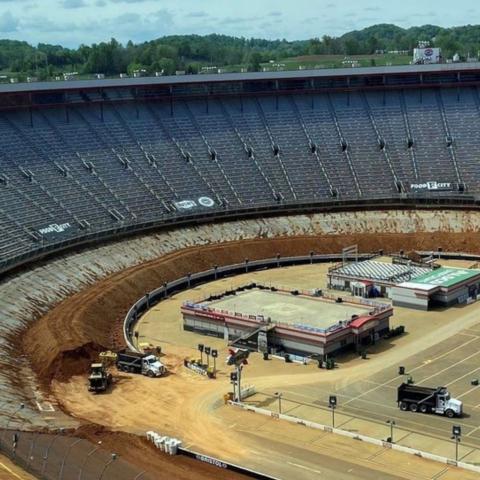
31	300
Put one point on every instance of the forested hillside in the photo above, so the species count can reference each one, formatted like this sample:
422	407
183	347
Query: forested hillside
192	52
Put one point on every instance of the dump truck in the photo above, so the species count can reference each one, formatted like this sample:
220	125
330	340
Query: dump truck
99	378
144	363
428	400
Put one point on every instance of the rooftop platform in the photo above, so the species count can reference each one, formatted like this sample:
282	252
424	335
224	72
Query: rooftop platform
290	309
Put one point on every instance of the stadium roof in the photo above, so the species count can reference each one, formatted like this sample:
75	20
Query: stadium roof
234	77
446	277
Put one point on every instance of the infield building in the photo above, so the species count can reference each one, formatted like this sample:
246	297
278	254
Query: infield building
407	284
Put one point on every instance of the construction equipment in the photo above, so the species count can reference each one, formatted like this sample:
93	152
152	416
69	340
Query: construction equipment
99	378
428	400
135	362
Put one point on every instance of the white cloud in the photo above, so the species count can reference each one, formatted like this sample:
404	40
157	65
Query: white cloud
43	21
73	4
8	22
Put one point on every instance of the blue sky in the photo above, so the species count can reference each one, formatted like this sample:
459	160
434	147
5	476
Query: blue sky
71	22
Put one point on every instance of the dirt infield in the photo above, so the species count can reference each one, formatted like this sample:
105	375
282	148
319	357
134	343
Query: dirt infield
63	341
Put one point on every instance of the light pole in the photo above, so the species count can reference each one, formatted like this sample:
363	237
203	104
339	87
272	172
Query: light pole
89	454
112	459
392	424
332	403
233	381
214	356
207	352
239	382
49	446
456	434
279	396
64	459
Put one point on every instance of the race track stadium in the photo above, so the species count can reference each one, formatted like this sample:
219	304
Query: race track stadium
316	229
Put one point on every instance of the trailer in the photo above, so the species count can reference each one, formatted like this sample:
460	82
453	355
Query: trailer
143	363
428	400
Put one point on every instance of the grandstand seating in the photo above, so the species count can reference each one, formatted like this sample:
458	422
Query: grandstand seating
95	169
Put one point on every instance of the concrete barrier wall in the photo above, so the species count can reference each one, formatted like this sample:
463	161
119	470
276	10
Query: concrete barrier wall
224	464
355	436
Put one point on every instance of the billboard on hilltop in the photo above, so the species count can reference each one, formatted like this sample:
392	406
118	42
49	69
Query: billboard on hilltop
426	55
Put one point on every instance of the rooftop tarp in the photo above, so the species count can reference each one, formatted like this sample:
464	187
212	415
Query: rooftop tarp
446	277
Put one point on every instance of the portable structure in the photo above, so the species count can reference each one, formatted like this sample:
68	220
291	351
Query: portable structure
331	328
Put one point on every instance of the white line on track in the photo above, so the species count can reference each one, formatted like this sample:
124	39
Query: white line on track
469	334
304	467
473	431
467	392
463	376
324	408
449	367
412	370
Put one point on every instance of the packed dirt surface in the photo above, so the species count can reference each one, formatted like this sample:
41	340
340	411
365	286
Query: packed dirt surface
137	451
191	407
62	343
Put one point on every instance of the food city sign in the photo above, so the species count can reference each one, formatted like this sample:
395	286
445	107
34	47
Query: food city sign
55	228
431	186
206	202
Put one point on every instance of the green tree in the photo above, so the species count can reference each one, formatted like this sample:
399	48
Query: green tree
254	62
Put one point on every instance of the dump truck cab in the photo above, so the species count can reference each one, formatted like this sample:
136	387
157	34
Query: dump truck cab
446	404
152	367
